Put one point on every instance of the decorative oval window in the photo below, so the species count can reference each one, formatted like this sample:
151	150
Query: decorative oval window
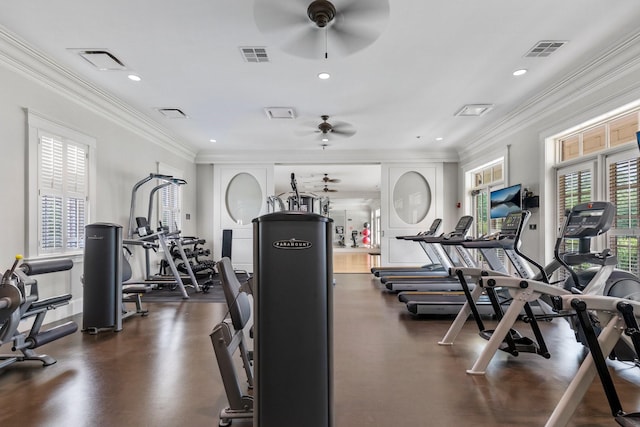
243	198
412	197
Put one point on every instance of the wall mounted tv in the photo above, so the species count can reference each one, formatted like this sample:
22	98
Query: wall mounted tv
638	138
504	201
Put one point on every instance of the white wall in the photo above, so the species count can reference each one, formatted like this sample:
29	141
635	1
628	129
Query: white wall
124	156
606	84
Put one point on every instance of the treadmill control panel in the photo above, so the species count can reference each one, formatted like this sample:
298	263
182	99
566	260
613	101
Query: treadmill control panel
589	220
434	227
510	224
463	225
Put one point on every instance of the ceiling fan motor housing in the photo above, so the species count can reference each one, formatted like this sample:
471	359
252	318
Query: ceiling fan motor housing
321	12
325	127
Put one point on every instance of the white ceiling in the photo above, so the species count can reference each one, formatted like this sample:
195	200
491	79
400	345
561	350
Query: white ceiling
399	89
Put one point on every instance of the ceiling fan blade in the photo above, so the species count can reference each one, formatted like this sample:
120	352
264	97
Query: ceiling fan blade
306	43
282	16
345	39
343	134
307	133
344	130
287	25
369	10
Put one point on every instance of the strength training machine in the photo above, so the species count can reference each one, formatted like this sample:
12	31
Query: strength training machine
19	300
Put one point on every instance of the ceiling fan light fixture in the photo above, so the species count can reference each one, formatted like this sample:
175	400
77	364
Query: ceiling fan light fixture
321	12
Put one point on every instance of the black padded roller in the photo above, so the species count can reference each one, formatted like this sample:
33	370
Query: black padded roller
52	334
33	268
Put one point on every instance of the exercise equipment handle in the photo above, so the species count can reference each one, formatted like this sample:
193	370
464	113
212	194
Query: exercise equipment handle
6	277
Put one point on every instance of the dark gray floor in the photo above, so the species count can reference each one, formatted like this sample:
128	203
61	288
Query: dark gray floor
389	371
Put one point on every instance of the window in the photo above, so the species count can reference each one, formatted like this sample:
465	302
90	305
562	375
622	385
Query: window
484	180
169	200
574	186
60	167
607	147
606	134
624	192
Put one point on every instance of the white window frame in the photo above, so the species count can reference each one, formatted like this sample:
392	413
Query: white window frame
38	125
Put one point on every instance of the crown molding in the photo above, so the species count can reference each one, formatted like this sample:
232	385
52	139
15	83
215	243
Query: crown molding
328	156
561	101
19	56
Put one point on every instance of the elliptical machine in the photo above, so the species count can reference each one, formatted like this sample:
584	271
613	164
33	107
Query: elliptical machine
584	221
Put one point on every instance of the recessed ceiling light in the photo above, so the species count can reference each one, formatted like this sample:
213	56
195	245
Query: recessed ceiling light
134	77
325	139
324	76
439	138
212	140
519	72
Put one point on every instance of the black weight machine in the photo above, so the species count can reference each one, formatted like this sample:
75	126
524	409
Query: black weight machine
20	300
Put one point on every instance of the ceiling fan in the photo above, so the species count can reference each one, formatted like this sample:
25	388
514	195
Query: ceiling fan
326	130
342	27
326	179
326	189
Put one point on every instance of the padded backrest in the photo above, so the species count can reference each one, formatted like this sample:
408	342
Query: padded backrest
126	269
227	239
237	301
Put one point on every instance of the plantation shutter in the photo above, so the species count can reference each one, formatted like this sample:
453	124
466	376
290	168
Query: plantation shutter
76	192
62	191
51	166
170	207
574	187
624	192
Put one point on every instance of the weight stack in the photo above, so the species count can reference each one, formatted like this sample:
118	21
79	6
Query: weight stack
102	291
293	291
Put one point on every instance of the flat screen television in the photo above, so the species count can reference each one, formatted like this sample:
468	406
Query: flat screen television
504	201
638	138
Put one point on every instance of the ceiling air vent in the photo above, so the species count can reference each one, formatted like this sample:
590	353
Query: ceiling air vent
545	48
102	59
474	110
280	113
172	113
254	54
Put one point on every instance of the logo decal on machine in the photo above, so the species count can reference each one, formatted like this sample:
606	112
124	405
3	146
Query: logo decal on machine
292	244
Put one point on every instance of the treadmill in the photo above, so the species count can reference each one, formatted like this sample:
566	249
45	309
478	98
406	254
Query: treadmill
455	256
450	303
431	255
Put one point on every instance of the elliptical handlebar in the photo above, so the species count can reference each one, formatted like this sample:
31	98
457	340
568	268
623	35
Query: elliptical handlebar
585	221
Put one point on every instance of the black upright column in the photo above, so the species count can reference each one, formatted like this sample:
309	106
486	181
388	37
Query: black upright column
102	292
293	290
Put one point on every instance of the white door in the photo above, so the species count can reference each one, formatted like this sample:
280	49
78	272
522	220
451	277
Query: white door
411	198
240	195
